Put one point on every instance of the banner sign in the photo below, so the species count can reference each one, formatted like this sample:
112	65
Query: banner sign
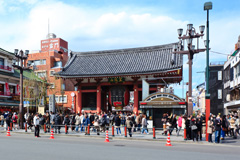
7	89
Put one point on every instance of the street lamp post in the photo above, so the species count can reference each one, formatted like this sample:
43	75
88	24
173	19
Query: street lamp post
207	6
21	57
179	49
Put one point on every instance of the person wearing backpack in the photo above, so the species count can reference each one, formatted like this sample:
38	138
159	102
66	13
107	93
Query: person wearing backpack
129	125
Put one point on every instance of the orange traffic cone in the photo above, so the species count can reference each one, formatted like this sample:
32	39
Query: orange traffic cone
52	136
8	132
168	141
107	138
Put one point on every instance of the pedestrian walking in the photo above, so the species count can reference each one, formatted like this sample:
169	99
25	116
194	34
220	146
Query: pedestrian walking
57	123
36	125
118	124
14	121
179	124
66	121
144	125
8	121
139	122
86	123
129	125
217	129
194	129
47	120
224	127
77	121
210	129
2	119
96	124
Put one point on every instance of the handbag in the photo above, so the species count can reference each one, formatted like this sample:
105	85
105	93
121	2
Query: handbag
224	129
193	127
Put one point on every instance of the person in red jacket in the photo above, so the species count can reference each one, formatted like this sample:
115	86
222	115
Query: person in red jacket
14	120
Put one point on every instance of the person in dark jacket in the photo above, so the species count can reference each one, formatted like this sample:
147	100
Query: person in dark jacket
194	128
173	124
118	123
57	123
47	120
66	121
199	127
8	121
224	127
217	129
92	118
188	127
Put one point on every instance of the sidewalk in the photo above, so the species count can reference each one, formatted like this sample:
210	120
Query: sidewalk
136	136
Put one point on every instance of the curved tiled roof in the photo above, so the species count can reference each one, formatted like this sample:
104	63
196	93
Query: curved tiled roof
131	61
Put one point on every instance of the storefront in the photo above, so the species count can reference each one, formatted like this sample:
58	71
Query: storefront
156	104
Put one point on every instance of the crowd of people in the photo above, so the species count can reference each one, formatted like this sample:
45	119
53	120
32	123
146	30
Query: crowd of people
227	125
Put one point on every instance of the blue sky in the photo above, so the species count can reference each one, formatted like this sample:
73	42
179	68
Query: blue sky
109	24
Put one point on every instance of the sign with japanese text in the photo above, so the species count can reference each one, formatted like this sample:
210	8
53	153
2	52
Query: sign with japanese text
116	80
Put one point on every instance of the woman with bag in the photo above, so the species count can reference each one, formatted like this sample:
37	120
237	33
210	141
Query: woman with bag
224	127
194	129
210	129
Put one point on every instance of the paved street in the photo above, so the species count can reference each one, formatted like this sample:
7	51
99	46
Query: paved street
23	147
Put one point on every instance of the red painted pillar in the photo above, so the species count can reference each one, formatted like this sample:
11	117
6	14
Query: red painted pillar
99	98
45	128
113	131
154	135
185	134
25	127
207	115
79	100
135	88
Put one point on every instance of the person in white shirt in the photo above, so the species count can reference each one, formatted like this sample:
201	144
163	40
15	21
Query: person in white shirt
36	124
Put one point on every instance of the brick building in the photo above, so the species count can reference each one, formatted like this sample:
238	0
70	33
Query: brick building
49	60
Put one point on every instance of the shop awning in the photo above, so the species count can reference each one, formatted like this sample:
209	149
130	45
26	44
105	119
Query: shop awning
175	106
9	104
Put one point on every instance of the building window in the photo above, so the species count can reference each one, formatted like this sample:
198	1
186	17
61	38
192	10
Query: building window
1	62
52	73
39	62
58	64
56	99
1	89
12	90
64	100
219	75
41	74
219	94
52	85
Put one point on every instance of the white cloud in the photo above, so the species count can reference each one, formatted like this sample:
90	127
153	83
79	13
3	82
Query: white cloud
86	29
